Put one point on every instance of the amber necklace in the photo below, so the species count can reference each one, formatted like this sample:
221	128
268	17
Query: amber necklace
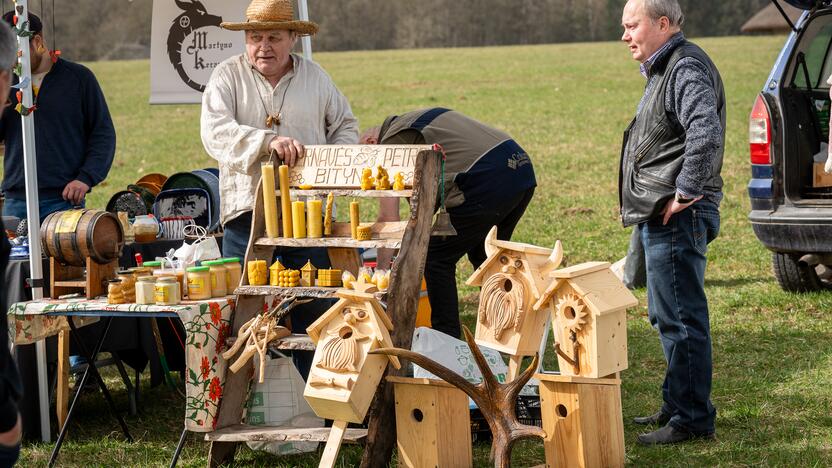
273	120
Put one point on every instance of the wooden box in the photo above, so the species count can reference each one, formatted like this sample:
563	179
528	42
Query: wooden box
583	421
512	278
819	177
589	317
344	377
433	423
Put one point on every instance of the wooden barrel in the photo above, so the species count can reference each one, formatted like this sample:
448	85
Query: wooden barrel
72	236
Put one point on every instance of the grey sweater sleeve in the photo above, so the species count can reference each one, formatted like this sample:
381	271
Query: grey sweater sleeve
691	98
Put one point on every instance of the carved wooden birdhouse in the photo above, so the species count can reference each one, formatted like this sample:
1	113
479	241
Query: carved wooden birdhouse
344	377
589	316
513	278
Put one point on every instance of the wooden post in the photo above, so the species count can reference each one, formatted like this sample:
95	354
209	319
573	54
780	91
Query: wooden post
62	398
514	363
333	444
402	302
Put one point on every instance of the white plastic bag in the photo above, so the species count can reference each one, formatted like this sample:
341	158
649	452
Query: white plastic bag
205	247
279	401
455	355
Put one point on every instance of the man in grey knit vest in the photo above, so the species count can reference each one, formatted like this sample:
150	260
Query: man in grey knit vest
670	188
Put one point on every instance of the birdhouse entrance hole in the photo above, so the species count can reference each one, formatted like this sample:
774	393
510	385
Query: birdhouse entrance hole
569	312
507	285
561	410
345	333
417	415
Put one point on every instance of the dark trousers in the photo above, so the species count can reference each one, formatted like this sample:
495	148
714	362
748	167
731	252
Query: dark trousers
472	222
678	309
234	244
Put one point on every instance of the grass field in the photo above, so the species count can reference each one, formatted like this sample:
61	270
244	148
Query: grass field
568	106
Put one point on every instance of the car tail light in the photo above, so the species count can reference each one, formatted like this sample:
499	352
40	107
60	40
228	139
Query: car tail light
759	133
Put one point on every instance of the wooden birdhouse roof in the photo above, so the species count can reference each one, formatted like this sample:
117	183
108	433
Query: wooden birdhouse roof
595	283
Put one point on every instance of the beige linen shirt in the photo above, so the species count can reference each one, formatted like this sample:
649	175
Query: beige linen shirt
233	123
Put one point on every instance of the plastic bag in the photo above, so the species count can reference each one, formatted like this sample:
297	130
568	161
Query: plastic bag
205	247
455	355
279	401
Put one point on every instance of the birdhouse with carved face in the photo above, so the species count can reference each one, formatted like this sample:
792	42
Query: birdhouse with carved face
589	317
344	376
513	278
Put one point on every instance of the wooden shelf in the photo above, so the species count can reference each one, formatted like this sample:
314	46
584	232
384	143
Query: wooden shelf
350	193
293	343
317	292
79	283
246	433
343	242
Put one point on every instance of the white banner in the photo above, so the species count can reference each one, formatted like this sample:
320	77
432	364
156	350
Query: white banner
187	43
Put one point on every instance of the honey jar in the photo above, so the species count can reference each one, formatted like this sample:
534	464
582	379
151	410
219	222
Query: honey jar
199	283
217	271
128	285
114	292
146	290
167	291
233	273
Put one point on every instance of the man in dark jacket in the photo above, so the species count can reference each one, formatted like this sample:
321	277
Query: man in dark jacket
670	188
10	428
489	181
75	138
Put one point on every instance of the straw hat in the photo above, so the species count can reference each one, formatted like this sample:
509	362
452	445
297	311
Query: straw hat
272	14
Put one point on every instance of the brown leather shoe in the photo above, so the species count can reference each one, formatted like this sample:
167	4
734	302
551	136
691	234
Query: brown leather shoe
670	435
658	419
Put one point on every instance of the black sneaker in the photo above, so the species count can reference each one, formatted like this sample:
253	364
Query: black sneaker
659	419
670	435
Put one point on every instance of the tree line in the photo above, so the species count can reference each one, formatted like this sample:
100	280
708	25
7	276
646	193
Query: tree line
120	29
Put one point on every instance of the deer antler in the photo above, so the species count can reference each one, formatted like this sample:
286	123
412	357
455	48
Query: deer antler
495	400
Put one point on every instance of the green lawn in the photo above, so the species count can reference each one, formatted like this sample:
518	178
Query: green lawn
568	106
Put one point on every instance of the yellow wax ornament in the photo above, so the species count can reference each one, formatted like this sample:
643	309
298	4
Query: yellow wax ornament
257	273
298	220
269	200
314	219
285	201
355	219
398	181
367	181
347	279
382	179
274	271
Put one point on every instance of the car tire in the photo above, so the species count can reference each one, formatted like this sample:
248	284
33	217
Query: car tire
794	275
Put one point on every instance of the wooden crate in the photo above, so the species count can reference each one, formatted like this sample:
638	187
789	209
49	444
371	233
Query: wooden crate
433	423
583	421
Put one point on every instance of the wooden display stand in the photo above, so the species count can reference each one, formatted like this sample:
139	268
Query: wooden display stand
433	423
421	167
583	421
67	279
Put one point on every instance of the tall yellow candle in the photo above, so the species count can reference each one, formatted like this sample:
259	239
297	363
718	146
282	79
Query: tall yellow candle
355	219
269	200
298	220
285	202
314	227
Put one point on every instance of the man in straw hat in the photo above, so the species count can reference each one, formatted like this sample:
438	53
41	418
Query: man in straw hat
267	99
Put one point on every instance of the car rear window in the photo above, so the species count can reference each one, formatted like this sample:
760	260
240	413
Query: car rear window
818	62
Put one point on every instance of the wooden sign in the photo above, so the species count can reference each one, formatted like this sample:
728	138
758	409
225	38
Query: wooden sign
340	166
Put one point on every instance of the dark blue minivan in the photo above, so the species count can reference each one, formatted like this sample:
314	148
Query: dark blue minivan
791	212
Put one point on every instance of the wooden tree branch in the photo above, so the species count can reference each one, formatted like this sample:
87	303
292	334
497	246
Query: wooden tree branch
495	400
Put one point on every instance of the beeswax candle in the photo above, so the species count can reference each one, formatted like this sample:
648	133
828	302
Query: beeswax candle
298	220
354	219
285	202
314	228
269	200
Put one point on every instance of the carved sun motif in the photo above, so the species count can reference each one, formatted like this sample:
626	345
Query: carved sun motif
572	312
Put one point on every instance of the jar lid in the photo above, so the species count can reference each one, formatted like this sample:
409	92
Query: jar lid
152	264
168	279
146	279
124	272
201	269
214	263
232	260
114	281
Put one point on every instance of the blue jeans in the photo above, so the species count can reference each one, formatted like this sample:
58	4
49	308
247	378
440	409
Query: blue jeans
678	309
17	207
9	455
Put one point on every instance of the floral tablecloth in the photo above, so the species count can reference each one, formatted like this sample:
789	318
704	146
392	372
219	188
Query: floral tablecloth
207	326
